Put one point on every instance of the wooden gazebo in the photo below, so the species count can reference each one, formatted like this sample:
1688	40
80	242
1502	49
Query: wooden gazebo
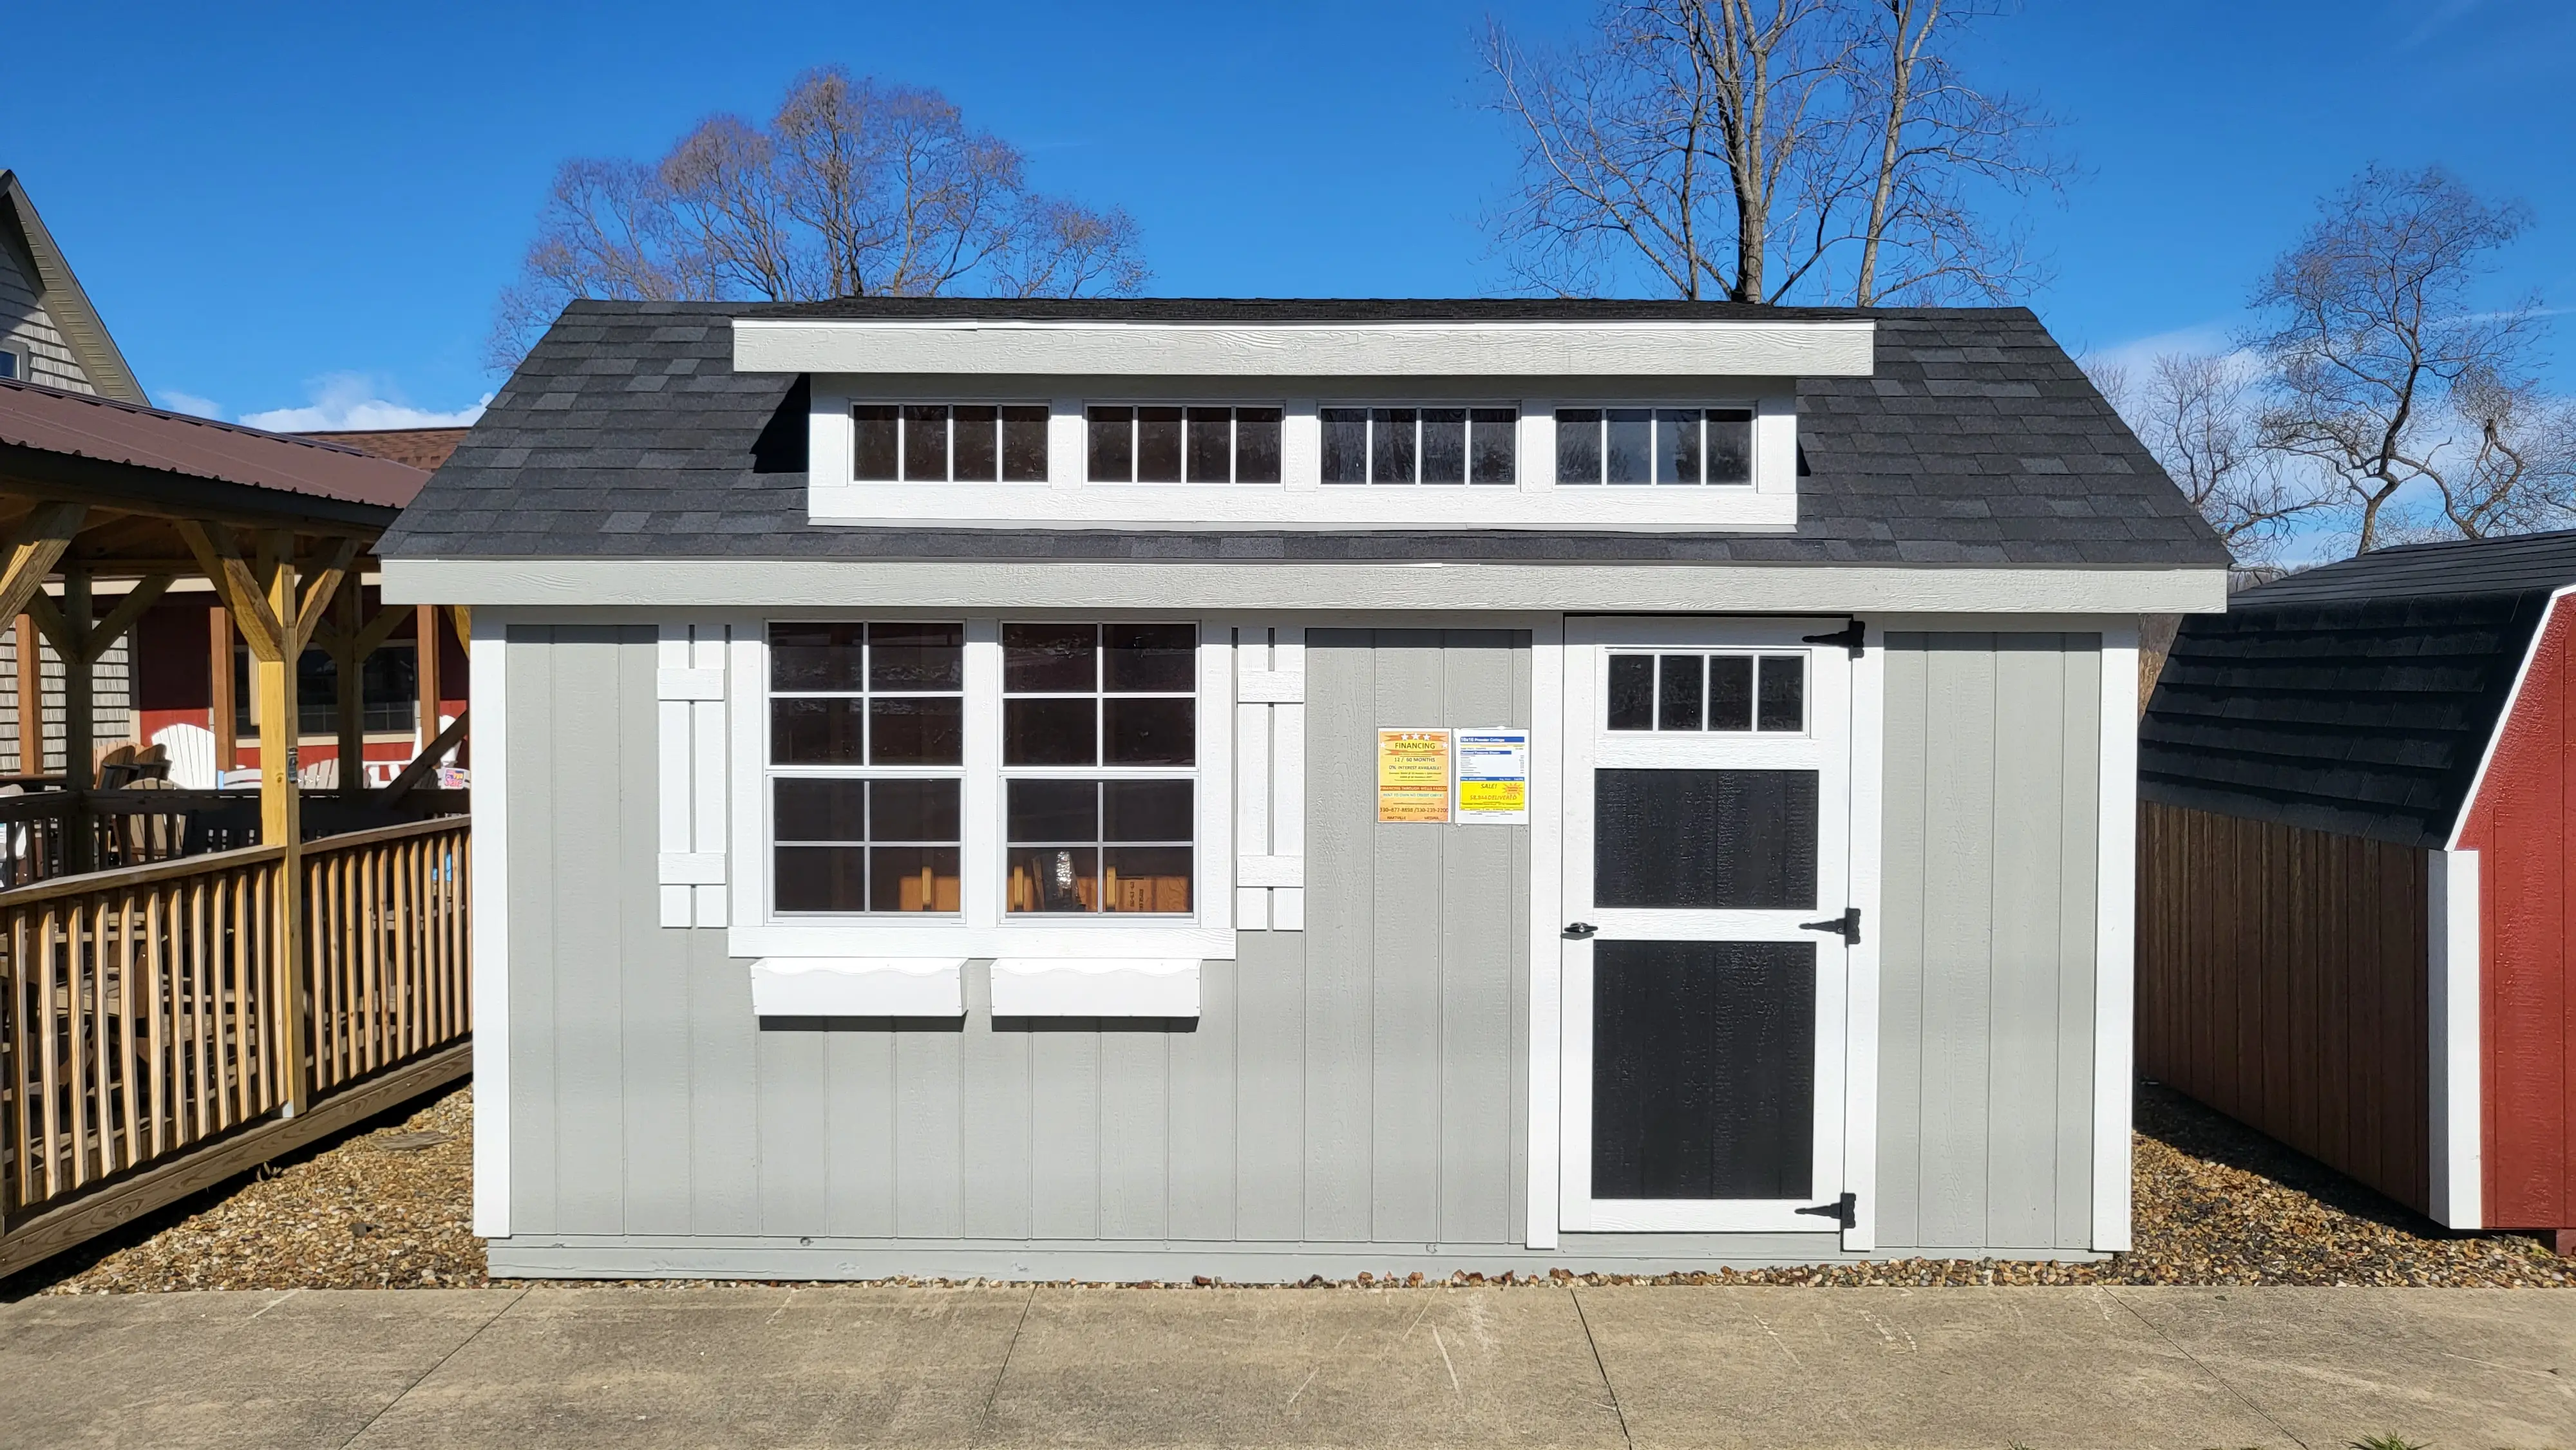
181	1003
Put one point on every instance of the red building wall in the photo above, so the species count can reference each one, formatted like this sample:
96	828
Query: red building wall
2521	825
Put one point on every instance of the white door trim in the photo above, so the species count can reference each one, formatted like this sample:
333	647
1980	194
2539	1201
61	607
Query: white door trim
1847	997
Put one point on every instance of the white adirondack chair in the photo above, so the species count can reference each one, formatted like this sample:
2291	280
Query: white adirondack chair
191	749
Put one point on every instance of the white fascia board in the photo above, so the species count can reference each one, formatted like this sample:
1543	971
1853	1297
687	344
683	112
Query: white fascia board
859	987
1843	349
2512	701
1117	987
1375	588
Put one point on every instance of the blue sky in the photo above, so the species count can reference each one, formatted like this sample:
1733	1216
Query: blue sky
310	207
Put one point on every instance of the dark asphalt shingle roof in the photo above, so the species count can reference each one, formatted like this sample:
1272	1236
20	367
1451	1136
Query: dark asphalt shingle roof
2358	697
626	433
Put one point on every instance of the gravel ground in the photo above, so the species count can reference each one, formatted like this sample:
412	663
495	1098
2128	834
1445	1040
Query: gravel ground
387	1206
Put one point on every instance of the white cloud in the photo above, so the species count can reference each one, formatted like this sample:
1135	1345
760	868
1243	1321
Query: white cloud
2138	354
353	401
179	402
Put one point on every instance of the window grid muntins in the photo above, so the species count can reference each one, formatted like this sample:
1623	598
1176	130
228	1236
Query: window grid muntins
1181	443
866	749
949	443
1686	446
1723	692
1099	756
1421	445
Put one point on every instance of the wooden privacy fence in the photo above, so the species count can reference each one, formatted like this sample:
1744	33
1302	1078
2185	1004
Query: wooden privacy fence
146	1019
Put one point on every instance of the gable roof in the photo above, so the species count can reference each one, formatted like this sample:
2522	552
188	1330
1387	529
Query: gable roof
1977	441
60	294
2358	697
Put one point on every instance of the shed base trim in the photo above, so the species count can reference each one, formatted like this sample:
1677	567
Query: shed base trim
1169	1261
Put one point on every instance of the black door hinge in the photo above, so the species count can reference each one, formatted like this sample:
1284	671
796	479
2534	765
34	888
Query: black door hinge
1846	926
1578	930
1850	637
1844	1210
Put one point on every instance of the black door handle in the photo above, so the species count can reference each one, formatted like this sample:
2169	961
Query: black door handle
1578	930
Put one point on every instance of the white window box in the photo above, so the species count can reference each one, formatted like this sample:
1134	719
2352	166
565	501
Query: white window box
1101	987
858	987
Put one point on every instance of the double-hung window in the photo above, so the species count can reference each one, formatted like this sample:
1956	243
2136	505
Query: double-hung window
1168	443
949	443
866	745
1099	757
1654	445
1420	445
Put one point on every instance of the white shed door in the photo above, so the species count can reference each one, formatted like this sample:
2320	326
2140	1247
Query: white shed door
1708	878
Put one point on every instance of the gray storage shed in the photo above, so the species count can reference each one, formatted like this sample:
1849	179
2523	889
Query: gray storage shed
1144	789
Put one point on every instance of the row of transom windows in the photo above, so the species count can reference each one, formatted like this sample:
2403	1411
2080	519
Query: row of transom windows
1182	443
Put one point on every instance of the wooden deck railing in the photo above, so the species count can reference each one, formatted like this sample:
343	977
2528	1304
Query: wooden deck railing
387	939
144	1018
136	827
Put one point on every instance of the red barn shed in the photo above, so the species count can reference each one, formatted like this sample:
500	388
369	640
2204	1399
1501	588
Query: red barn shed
2355	868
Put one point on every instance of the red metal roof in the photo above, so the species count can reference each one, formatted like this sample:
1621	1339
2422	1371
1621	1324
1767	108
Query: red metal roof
85	426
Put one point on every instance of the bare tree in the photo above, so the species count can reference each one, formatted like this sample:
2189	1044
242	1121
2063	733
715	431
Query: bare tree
2387	379
855	187
1937	139
2197	413
1759	149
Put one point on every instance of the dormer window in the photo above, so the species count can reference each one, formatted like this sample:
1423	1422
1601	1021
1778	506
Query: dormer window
1169	443
1654	445
949	443
1420	445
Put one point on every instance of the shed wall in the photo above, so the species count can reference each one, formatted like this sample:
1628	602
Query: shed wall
2282	981
1354	1096
2519	826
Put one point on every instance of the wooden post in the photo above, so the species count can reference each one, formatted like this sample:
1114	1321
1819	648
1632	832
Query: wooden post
281	821
424	628
219	664
348	677
31	699
79	766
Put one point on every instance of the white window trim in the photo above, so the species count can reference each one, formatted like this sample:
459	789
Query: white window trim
983	929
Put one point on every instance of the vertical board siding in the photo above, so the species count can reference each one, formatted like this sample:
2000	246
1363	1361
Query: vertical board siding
2519	826
2281	980
1361	1081
1992	775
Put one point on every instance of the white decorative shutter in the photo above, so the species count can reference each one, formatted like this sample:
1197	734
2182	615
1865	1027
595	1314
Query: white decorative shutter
1270	779
691	687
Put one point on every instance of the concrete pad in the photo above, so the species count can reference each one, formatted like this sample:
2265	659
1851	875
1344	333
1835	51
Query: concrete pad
2453	1367
698	1367
275	1369
1774	1367
1277	1367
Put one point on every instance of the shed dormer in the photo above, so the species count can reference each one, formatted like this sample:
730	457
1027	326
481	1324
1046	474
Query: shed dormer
1318	415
